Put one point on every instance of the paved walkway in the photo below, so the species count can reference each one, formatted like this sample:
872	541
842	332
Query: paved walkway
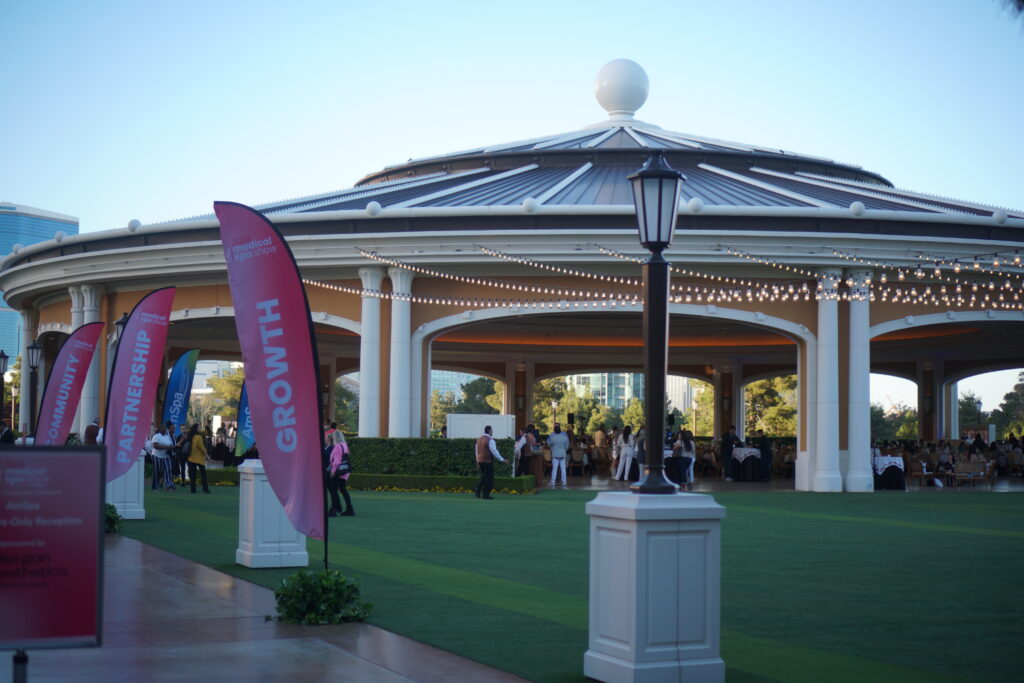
169	619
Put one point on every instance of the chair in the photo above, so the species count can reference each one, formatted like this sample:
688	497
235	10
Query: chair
971	471
575	460
919	471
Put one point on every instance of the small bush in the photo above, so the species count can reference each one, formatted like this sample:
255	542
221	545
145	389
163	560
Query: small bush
112	521
328	597
452	484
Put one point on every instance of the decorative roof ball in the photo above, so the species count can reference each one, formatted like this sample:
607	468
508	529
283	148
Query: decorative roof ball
621	87
373	208
530	205
857	208
17	247
134	224
59	236
999	215
695	205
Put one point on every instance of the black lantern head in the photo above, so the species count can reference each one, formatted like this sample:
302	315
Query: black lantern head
656	189
119	326
35	355
3	362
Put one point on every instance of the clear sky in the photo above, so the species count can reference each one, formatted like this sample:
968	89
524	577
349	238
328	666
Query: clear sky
113	110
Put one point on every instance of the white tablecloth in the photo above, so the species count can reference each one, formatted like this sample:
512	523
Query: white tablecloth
880	462
742	454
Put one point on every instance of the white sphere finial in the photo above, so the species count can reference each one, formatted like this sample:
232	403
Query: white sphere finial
621	87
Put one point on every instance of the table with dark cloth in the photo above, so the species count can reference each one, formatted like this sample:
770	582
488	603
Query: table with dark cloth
889	474
748	464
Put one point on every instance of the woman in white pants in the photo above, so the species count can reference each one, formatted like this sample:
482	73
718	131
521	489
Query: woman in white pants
627	447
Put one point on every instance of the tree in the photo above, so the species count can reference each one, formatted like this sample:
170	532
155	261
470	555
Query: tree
880	430
970	416
771	406
544	392
440	406
704	420
203	407
1009	416
14	372
497	399
346	407
634	414
604	415
227	389
474	397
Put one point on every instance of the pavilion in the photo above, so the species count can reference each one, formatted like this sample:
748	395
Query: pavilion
517	261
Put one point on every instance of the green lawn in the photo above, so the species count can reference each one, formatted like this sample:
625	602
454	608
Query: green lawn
815	587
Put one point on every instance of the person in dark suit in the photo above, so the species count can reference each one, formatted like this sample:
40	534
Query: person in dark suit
729	442
6	435
764	444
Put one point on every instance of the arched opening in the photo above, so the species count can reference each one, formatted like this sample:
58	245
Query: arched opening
894	409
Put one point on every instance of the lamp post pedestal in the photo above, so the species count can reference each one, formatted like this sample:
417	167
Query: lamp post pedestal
655	572
126	492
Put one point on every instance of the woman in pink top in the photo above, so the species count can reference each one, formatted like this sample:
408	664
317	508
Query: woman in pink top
339	480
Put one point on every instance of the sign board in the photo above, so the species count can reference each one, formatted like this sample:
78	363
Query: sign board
51	546
465	426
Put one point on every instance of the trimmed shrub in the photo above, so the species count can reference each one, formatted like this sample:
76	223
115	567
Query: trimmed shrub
327	597
112	521
421	482
430	457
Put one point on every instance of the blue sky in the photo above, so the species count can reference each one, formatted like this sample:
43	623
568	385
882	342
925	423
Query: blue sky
152	110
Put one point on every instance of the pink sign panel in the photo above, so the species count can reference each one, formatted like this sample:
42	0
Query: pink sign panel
134	380
281	374
64	386
51	546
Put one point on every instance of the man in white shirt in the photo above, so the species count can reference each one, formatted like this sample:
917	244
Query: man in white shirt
161	445
558	442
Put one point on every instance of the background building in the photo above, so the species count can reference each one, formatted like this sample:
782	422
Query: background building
24	225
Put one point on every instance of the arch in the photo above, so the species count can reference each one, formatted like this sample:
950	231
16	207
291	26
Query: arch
62	328
320	317
981	370
943	318
430	330
897	375
469	371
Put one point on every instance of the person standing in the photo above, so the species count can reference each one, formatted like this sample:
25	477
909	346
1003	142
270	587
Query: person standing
92	432
7	439
486	454
602	454
764	444
626	447
161	445
340	469
558	442
197	458
729	442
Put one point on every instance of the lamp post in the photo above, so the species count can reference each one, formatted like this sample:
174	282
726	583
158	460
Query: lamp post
35	355
119	326
14	403
656	189
3	376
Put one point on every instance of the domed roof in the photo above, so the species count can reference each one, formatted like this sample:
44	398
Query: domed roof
588	167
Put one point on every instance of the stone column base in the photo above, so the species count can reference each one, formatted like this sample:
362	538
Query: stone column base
265	536
126	492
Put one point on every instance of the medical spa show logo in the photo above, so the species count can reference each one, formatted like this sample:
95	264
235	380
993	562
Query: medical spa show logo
244	248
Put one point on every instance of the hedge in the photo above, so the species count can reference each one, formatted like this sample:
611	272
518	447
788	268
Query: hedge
419	482
430	457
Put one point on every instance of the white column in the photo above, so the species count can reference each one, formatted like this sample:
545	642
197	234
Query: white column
369	355
92	304
655	588
952	399
29	331
858	426
826	471
399	394
75	292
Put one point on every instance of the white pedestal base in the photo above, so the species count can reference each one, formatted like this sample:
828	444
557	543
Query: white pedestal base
125	493
655	576
265	536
